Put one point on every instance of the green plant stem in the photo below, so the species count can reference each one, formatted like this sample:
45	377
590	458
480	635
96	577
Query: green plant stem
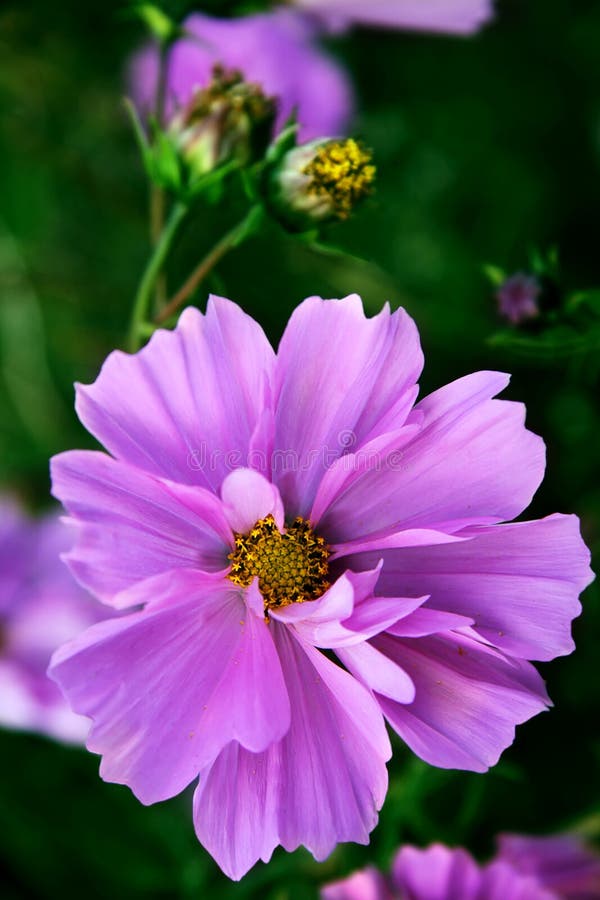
157	194
144	294
230	240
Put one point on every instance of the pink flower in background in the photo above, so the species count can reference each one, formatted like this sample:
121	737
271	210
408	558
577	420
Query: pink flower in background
41	607
263	507
525	868
277	51
450	16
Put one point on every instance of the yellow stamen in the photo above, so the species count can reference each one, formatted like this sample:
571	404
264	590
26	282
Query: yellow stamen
342	171
291	567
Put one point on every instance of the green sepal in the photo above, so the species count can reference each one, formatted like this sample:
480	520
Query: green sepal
494	274
158	23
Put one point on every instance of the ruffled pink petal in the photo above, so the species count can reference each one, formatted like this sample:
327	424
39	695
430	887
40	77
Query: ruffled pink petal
169	687
132	525
187	405
519	583
472	462
236	808
338	375
469	698
247	497
369	884
322	784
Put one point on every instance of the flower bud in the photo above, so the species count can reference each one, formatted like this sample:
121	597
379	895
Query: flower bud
518	298
230	120
319	182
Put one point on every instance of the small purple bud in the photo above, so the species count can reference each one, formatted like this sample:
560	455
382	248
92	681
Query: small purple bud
518	298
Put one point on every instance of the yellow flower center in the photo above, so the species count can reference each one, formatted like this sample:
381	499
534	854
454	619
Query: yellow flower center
342	172
291	567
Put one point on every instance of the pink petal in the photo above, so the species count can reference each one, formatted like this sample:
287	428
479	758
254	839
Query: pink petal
169	687
322	784
338	375
425	621
472	462
519	583
411	537
378	672
186	406
383	450
347	613
133	525
468	699
247	497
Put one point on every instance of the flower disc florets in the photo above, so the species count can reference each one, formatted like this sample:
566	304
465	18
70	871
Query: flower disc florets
342	173
320	181
291	567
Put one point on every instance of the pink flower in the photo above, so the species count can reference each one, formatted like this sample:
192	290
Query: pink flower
452	16
41	607
526	868
262	507
277	51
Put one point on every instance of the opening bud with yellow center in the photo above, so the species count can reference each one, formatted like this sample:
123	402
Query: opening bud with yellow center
291	566
321	181
229	120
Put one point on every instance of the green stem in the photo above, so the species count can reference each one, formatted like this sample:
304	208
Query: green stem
151	273
157	194
232	239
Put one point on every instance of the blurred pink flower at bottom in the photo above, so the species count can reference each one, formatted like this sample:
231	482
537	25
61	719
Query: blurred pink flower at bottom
525	868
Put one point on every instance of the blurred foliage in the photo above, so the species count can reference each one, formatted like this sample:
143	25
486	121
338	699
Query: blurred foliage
485	148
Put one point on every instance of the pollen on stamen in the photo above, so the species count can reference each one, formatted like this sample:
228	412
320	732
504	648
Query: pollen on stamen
291	566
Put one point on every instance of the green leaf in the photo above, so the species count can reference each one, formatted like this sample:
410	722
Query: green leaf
166	165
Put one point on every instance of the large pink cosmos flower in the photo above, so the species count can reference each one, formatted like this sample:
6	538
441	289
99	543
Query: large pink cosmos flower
451	16
242	482
41	607
525	868
277	51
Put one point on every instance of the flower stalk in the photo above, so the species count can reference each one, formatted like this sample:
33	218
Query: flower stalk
144	293
233	238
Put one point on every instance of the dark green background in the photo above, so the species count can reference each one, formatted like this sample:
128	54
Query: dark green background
485	148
